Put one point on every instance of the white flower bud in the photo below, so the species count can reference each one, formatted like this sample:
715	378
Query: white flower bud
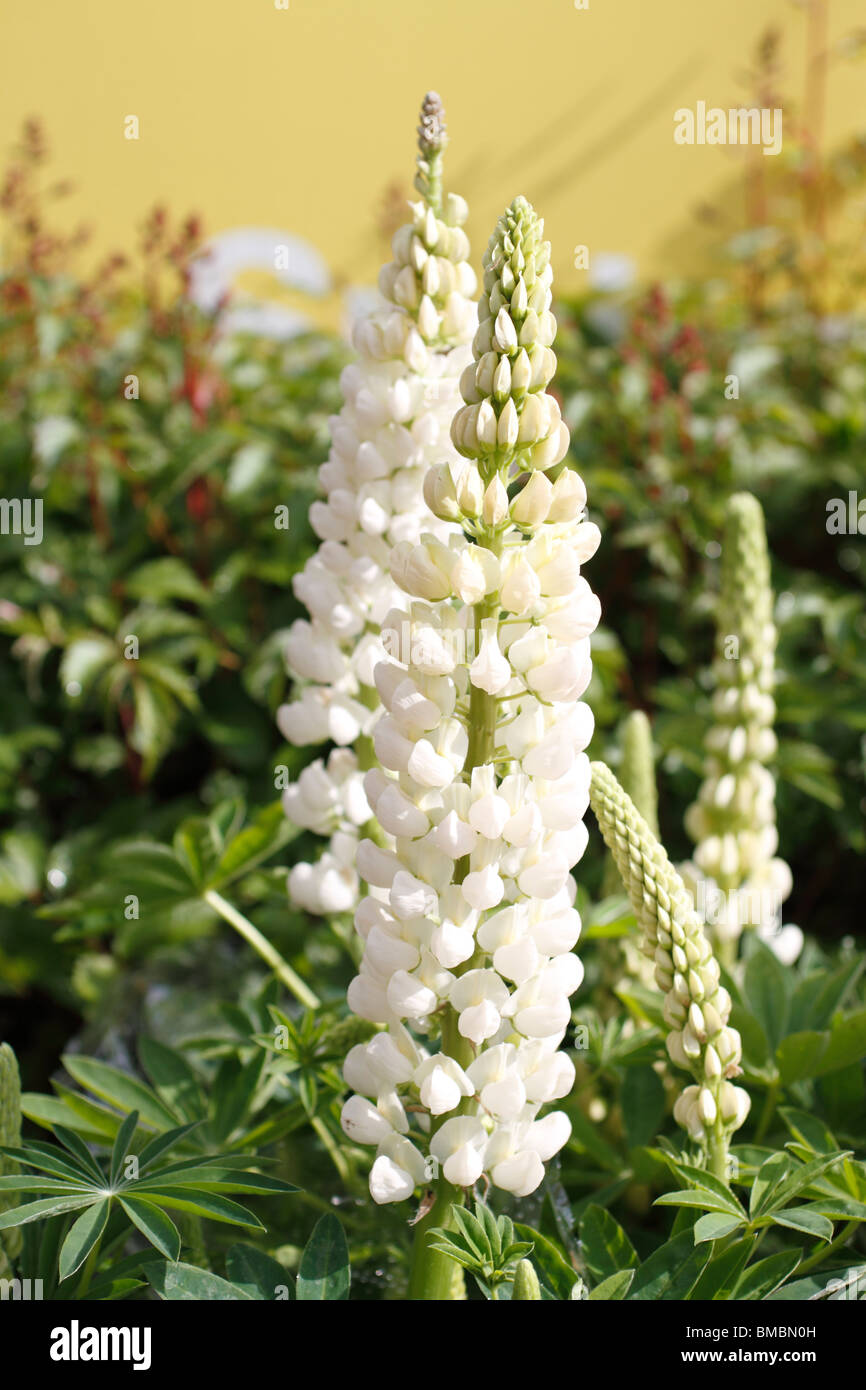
495	507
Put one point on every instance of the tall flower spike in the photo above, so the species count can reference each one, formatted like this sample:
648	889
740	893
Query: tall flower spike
469	925
10	1137
735	876
696	1006
637	775
399	400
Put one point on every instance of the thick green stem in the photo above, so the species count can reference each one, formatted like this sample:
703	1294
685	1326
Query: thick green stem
717	1152
259	943
434	1276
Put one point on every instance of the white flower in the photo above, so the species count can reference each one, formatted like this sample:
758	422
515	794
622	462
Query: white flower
399	399
469	926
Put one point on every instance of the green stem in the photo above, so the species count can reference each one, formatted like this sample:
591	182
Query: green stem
433	1274
717	1152
822	1250
334	1152
268	953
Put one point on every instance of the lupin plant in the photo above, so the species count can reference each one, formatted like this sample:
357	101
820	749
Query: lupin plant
696	1006
10	1137
469	924
400	397
736	876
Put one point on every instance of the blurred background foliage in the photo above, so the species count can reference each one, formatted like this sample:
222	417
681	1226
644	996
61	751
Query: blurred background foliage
176	463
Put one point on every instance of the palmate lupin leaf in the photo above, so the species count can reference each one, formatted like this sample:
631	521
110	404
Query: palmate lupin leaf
70	1179
484	1244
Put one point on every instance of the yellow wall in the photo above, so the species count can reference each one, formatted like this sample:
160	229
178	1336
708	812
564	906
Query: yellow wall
300	118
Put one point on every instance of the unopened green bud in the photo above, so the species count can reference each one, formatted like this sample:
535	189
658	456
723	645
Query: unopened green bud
526	1285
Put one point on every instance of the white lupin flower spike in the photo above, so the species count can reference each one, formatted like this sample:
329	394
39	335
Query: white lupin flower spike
469	924
399	397
735	875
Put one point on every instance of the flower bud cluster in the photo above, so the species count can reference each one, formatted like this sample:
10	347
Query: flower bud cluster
469	925
696	1007
507	404
400	397
735	869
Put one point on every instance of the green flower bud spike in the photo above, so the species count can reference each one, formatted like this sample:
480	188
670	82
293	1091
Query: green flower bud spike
735	876
508	412
696	1006
526	1285
637	775
10	1137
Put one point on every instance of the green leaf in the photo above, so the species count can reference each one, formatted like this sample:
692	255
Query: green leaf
604	1244
839	1208
643	1004
48	1158
715	1225
798	1056
121	1090
700	1197
162	1142
668	1269
84	660
767	990
700	1177
817	1286
807	1219
82	1237
105	1122
643	1104
47	1111
121	1145
269	831
324	1270
168	577
721	1274
173	1078
79	1150
800	1177
614	1288
30	1182
757	1057
554	1271
176	1282
260	1275
822	992
154	1225
212	1178
762	1278
197	847
847	1043
770	1174
209	1204
473	1233
233	1090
